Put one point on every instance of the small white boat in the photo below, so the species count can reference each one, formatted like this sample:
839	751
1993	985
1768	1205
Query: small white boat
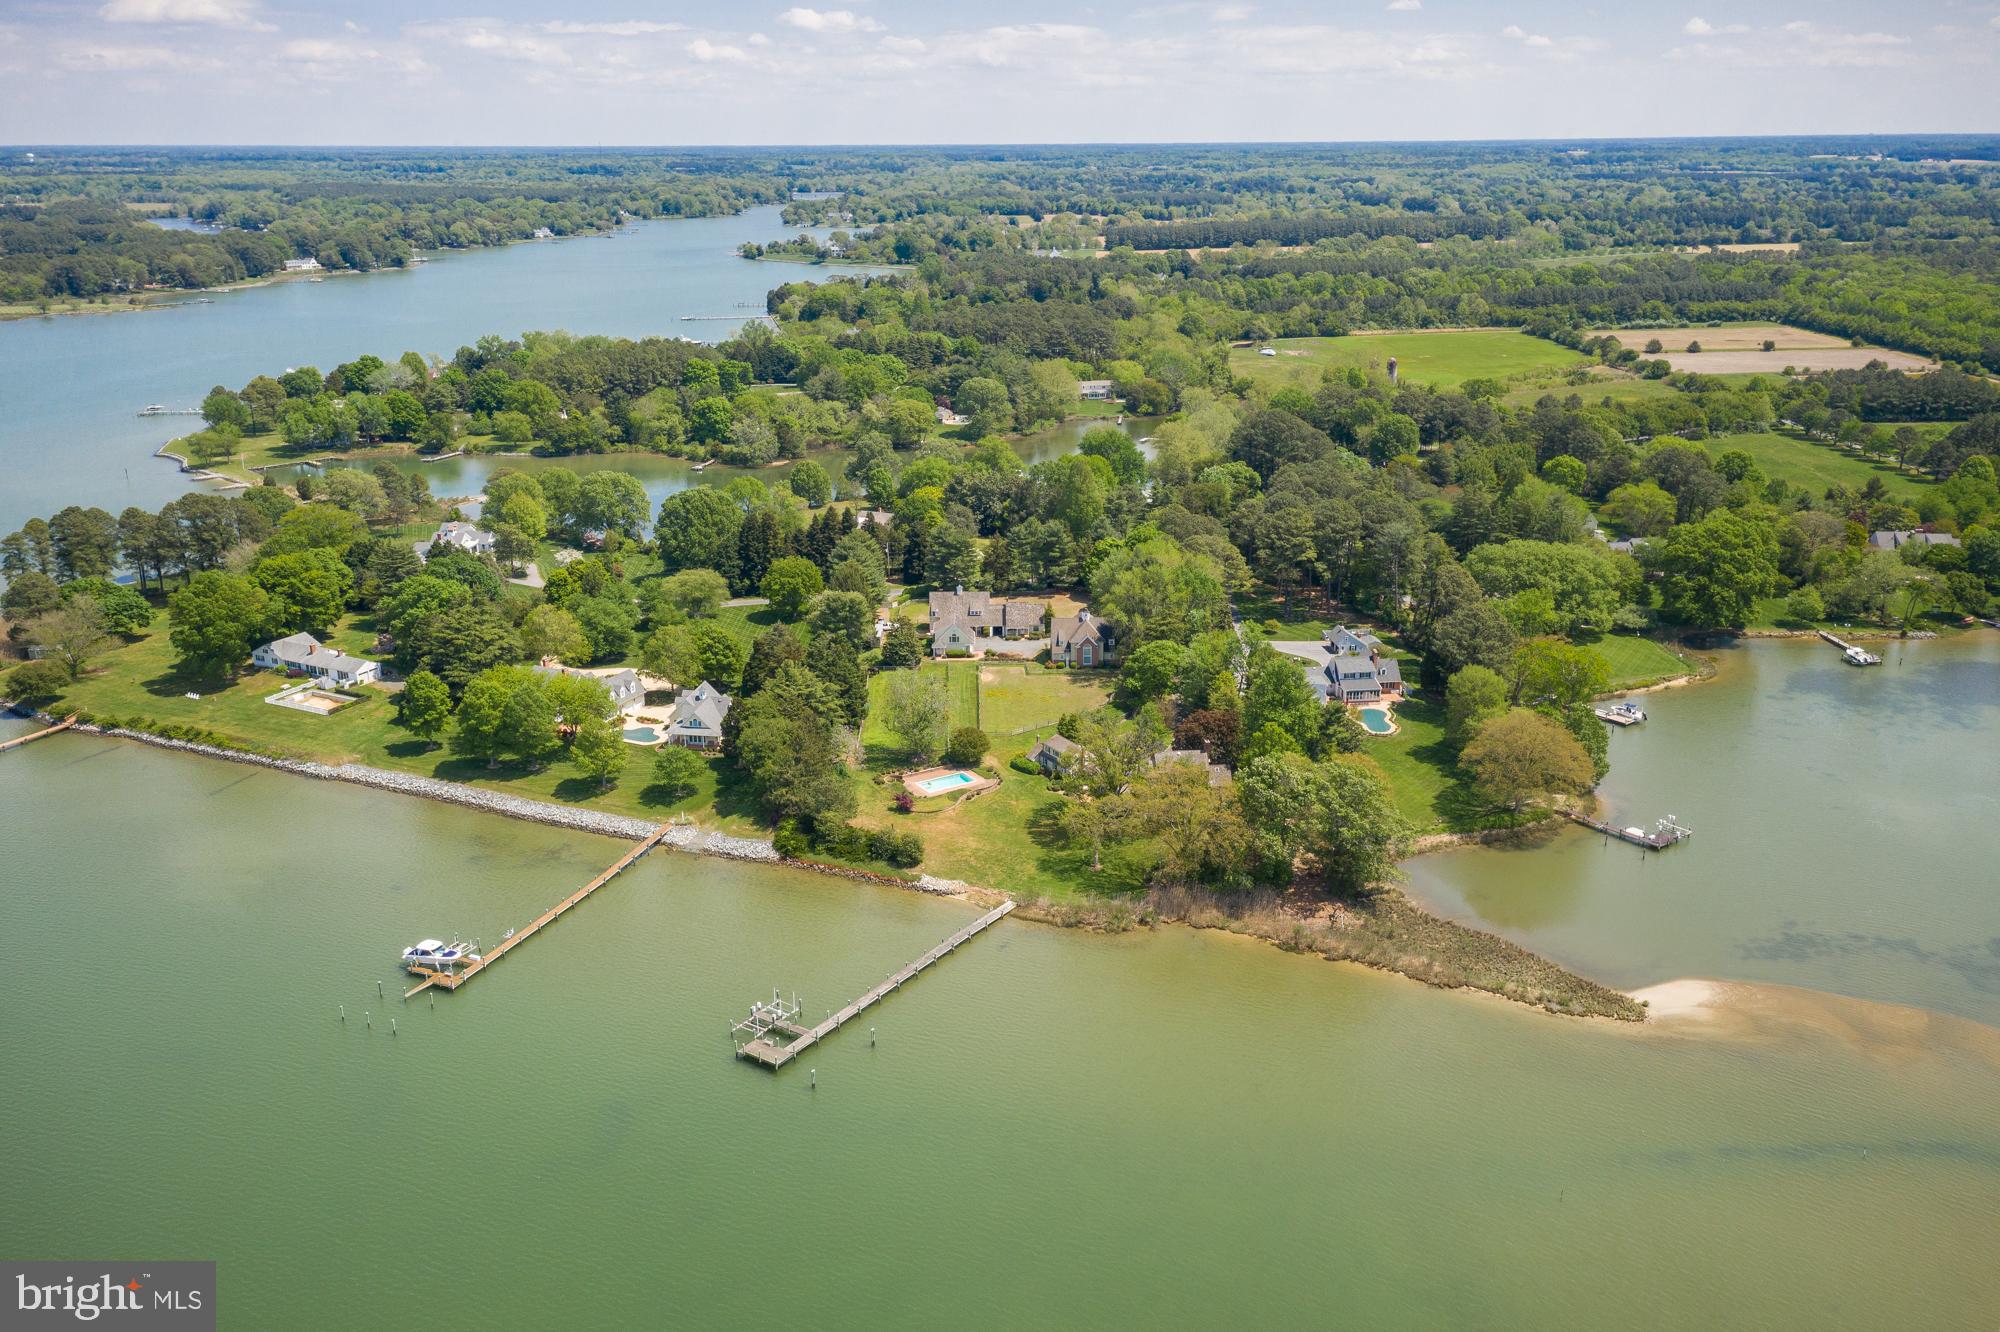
1854	656
1622	714
438	955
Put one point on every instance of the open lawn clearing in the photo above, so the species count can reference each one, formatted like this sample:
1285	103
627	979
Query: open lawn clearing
1445	359
1424	780
1814	466
1603	382
1761	362
961	679
1637	662
1724	337
1004	839
1014	700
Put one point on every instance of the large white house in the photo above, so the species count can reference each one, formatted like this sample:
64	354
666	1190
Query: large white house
697	717
468	537
302	654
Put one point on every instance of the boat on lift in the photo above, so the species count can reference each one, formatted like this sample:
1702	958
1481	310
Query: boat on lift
1855	656
437	955
1627	713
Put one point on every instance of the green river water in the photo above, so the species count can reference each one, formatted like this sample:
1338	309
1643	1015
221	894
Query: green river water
1055	1129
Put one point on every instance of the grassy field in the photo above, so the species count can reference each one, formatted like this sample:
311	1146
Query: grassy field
1815	466
1443	359
1637	662
1016	700
1424	778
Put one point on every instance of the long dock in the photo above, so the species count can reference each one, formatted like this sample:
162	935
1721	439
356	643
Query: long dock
451	980
20	740
769	1053
1665	833
1858	655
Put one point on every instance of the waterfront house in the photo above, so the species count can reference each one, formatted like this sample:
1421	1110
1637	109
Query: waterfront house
1895	539
623	686
697	717
1357	670
302	266
302	654
1054	755
1022	619
468	537
1094	390
543	233
1081	640
947	417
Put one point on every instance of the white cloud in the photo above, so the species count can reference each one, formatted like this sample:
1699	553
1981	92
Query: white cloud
709	52
112	59
1513	30
1405	6
1801	43
828	20
1698	27
221	13
625	28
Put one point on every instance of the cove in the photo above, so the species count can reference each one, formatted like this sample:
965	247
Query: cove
1054	1128
1844	834
71	385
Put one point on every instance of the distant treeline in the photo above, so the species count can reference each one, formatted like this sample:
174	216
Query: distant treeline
1220	233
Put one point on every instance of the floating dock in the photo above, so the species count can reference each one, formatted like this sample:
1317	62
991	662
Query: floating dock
20	740
754	1033
1621	714
1665	833
451	980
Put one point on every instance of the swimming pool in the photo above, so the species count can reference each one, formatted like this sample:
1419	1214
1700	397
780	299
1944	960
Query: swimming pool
1377	721
950	781
641	735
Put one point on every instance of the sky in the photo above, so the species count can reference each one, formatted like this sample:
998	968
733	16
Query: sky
617	72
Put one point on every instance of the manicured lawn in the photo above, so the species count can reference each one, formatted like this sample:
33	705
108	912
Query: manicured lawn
1423	774
1604	382
1443	359
961	684
1004	839
1814	466
1636	662
139	681
1015	699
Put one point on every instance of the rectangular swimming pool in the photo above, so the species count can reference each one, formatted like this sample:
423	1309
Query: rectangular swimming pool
949	781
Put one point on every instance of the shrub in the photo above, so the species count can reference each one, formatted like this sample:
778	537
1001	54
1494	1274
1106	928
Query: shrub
1022	763
905	802
788	841
38	681
968	746
901	849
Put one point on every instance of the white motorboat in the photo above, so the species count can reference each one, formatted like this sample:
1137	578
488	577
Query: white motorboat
438	955
1622	714
1855	656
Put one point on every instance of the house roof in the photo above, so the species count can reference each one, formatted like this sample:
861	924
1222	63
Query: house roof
700	709
973	605
952	622
1891	539
1217	773
1066	629
305	651
1059	746
1351	643
1022	614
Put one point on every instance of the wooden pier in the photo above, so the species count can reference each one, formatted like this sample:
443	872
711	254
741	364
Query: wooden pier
761	1049
451	980
1857	656
20	740
1665	833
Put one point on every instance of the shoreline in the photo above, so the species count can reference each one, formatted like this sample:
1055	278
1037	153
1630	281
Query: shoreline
1387	933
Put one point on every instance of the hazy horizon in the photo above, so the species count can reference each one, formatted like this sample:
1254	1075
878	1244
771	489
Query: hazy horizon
526	73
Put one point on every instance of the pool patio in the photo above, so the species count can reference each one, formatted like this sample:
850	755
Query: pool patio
946	782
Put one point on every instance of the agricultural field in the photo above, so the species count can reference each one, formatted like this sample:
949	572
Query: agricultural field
1739	349
1815	466
1446	359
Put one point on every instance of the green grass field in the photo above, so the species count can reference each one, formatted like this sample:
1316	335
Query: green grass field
1424	778
1019	699
1443	359
1637	662
1815	466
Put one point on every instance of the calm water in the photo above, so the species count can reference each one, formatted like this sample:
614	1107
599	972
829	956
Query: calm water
1846	834
70	386
1055	1129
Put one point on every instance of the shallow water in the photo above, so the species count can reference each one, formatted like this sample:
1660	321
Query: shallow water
71	385
1846	832
1053	1129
